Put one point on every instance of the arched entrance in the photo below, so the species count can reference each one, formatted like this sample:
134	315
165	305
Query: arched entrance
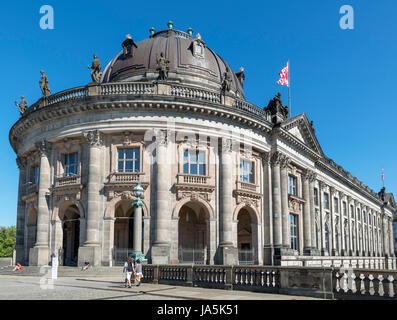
124	226
70	235
192	233
247	235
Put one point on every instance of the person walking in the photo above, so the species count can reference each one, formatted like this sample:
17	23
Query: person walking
138	272
128	269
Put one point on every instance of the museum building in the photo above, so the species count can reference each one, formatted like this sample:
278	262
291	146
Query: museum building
220	180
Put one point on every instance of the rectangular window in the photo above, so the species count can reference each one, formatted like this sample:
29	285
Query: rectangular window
316	196
194	162
71	164
358	215
326	200
336	205
129	160
344	208
34	174
292	185
293	222
351	211
246	171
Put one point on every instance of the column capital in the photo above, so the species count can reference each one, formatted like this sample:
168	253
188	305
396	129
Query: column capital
341	194
309	175
94	138
333	191
322	185
226	145
349	199
161	138
21	162
356	203
275	158
265	158
285	161
43	147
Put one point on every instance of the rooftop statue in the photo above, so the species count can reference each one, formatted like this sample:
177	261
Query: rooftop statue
45	88
276	107
96	70
127	46
226	80
162	67
23	105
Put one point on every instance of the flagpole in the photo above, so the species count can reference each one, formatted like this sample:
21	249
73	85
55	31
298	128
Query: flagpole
289	89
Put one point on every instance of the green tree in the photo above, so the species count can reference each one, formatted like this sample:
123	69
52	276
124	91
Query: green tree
7	241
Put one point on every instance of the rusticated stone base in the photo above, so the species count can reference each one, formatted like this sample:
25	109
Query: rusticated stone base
90	253
161	254
39	256
227	256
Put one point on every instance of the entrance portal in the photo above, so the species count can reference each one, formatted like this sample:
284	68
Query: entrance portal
71	236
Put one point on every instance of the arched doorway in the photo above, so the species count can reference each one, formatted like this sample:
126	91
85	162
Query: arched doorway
31	224
245	237
192	233
70	235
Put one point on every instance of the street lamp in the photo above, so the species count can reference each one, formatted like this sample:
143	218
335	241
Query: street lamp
138	205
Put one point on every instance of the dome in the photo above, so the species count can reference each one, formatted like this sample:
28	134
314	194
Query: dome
190	62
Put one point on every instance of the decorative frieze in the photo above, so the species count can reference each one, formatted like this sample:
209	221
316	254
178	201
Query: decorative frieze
94	138
43	147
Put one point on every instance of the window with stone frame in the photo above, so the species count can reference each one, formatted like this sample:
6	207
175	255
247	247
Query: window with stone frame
351	211
247	170
129	160
316	197
34	174
336	205
358	214
292	182
344	208
326	200
364	217
194	162
326	236
293	222
70	164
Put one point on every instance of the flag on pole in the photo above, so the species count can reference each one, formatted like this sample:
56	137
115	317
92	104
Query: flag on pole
383	176
284	76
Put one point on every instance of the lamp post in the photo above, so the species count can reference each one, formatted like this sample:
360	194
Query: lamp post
138	204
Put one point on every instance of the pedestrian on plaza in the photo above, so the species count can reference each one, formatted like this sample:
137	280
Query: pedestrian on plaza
17	267
138	272
86	265
128	269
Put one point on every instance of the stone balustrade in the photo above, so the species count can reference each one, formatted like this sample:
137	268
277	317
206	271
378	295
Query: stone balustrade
192	179
67	180
125	177
32	188
364	284
247	186
146	88
316	282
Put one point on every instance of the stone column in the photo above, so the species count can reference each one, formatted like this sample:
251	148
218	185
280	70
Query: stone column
276	199
284	203
267	205
357	229
228	254
39	254
161	245
332	192
324	250
313	214
307	231
91	249
391	242
138	228
108	243
343	245
20	236
349	247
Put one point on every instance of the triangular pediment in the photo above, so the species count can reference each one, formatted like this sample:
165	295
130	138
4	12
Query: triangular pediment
300	128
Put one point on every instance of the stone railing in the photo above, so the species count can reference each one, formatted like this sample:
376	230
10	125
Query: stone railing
195	93
316	282
61	181
364	284
137	88
247	186
192	179
125	177
149	88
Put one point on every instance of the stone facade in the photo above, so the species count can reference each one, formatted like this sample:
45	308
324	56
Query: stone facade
225	182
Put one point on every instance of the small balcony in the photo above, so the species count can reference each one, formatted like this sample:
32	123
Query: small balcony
125	177
32	188
62	181
246	186
192	179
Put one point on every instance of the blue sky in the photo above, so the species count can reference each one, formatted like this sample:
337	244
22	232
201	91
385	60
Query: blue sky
345	80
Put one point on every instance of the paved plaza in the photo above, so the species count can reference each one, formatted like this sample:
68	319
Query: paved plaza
112	288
